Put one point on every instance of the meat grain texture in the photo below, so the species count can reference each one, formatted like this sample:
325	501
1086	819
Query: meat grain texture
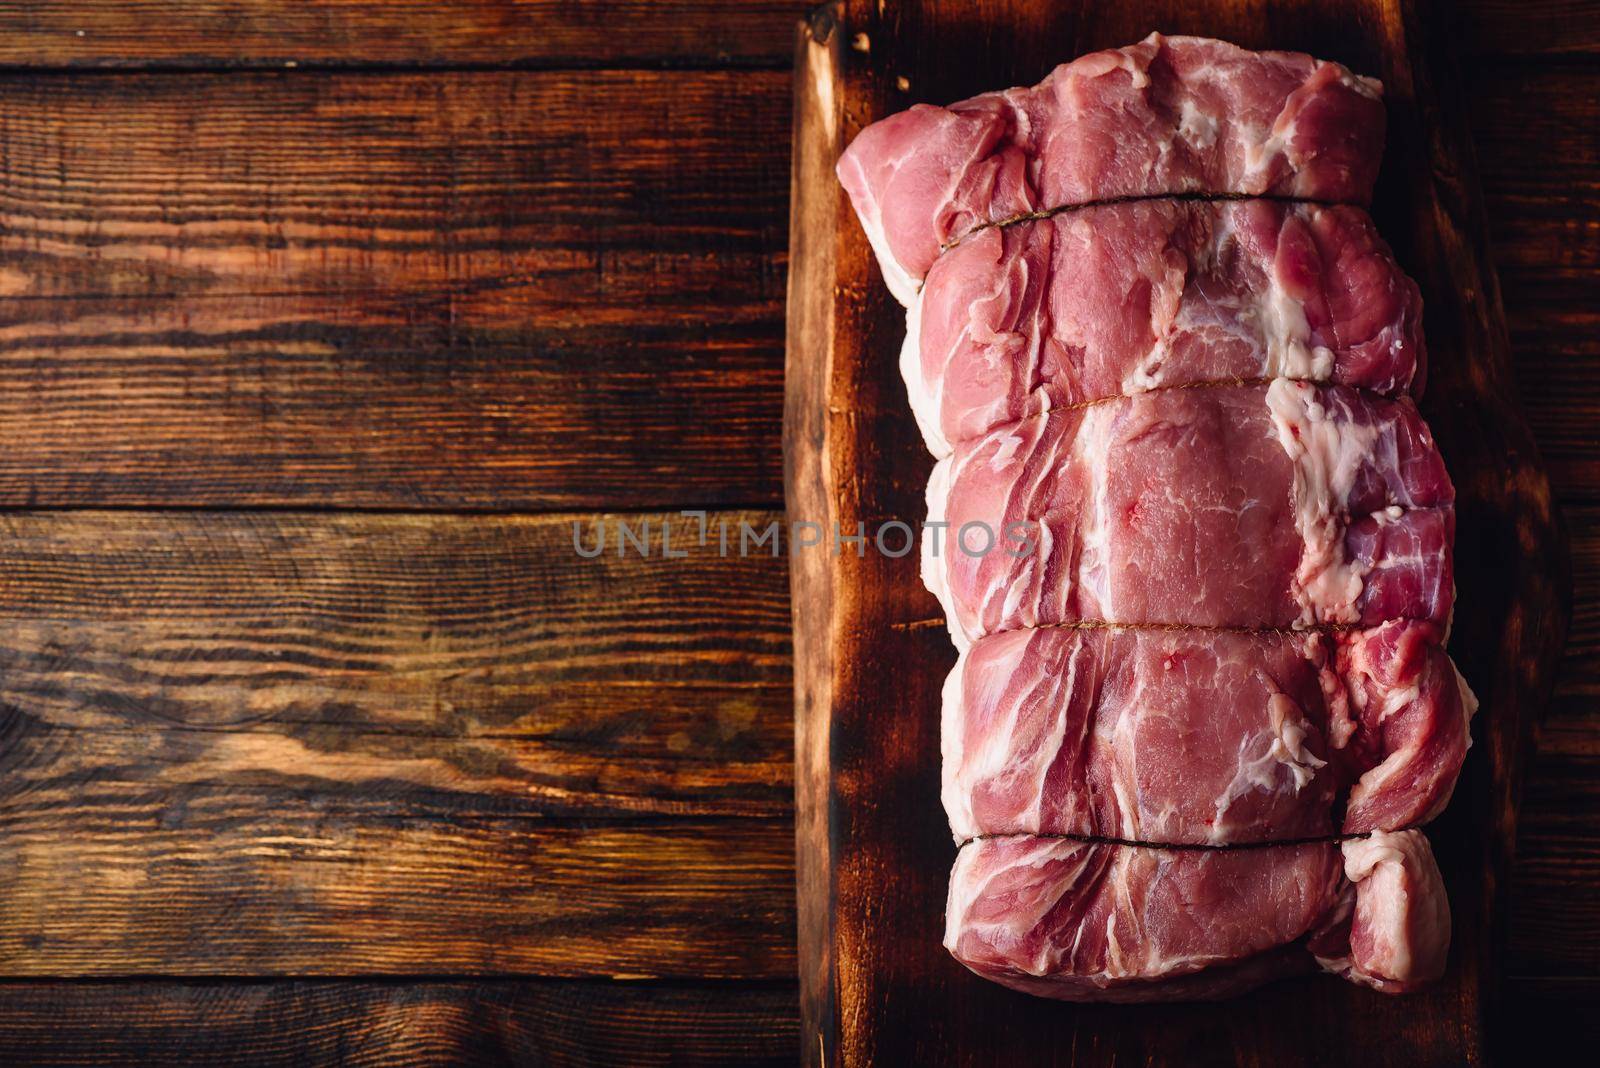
1166	362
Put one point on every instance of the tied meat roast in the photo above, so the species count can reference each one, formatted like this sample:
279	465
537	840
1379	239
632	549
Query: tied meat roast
1202	704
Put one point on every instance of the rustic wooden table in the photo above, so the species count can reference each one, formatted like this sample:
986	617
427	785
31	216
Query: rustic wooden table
321	323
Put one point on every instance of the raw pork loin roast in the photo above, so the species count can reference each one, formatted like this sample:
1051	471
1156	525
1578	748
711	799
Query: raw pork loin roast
1202	703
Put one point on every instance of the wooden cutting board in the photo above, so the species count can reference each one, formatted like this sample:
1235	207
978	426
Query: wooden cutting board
870	646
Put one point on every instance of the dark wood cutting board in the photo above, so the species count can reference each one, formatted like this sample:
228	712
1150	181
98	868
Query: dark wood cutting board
871	650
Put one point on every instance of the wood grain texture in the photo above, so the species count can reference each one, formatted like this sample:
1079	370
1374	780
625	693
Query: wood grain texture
1511	556
426	664
227	33
126	883
1553	1016
1553	907
814	226
563	1024
1538	131
868	779
1540	28
353	384
183	34
453	290
370	744
1539	155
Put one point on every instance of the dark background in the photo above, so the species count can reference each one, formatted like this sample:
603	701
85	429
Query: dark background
320	323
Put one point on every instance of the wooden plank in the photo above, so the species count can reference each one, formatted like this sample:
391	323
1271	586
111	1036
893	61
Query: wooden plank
549	1022
876	986
1531	27
357	772
1529	115
1552	1017
554	1023
122	34
373	744
1557	864
814	249
134	883
432	665
1537	128
1554	914
1512	568
1557	352
1539	154
1573	710
184	34
463	290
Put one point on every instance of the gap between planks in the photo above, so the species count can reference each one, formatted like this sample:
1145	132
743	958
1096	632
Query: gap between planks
465	512
322	67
